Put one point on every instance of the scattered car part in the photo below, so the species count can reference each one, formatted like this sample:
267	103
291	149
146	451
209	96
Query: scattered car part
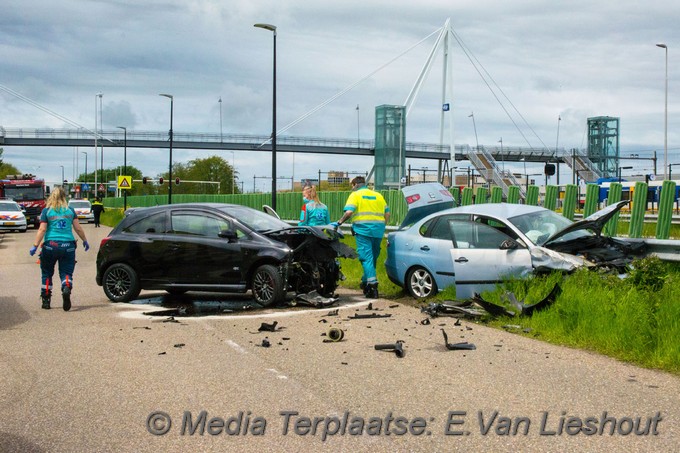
397	347
264	327
314	299
445	309
370	316
457	346
335	334
265	343
521	307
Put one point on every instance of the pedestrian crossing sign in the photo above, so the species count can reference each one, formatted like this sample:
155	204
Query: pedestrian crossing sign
125	182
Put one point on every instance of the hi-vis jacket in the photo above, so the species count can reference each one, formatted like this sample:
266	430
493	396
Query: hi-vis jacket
369	208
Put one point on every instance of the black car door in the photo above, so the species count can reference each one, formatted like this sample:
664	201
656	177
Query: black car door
196	254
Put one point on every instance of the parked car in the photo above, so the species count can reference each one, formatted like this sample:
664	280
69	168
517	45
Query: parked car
12	216
83	209
478	246
217	247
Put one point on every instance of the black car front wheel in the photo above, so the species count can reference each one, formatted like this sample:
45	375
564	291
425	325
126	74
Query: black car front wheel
420	283
121	283
267	285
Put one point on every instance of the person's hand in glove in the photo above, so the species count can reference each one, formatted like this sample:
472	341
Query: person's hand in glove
33	250
86	245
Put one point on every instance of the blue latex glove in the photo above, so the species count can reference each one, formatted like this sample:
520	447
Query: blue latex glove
33	250
86	245
335	225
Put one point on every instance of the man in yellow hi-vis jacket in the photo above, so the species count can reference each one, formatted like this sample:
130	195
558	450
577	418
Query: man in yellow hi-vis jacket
369	213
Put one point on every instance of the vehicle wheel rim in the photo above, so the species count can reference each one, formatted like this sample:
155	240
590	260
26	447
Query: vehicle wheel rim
421	283
119	282
263	285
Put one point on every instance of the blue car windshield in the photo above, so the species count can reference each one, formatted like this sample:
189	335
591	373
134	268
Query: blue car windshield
255	220
540	226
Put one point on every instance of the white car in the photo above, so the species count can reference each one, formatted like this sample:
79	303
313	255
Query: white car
12	217
83	210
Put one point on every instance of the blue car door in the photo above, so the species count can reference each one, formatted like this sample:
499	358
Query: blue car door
483	256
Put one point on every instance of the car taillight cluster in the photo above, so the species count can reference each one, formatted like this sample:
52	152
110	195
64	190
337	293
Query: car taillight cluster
104	241
412	198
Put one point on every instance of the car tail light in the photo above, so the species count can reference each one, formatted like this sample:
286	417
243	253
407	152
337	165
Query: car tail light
412	198
104	241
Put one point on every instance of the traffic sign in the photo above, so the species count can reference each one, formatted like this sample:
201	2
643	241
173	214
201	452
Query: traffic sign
101	187
125	182
85	187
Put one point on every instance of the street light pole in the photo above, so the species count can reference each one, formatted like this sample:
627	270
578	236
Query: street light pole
358	134
83	152
472	115
169	96
272	28
125	191
220	101
502	158
101	143
665	118
96	136
62	174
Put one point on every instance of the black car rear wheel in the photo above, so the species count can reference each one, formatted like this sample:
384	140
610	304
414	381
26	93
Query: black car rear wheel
121	283
267	285
420	283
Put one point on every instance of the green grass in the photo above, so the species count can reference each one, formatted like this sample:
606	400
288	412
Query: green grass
636	319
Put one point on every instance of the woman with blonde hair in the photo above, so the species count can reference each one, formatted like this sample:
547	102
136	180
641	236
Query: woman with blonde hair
315	213
57	222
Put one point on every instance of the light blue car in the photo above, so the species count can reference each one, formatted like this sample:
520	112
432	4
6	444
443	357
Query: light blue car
478	246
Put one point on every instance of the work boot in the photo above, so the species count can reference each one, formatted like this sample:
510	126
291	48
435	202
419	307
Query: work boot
371	291
45	297
362	286
66	296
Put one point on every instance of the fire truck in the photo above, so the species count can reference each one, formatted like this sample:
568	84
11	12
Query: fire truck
29	192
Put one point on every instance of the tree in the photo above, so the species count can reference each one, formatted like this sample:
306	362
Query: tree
6	168
210	169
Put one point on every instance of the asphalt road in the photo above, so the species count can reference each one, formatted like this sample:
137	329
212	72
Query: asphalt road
96	378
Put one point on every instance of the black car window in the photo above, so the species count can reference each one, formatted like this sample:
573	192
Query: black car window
475	235
198	224
500	226
154	223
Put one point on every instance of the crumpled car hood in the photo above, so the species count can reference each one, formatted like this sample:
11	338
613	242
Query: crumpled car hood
594	222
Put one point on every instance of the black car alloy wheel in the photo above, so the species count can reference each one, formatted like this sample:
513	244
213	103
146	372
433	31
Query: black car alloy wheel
121	283
267	285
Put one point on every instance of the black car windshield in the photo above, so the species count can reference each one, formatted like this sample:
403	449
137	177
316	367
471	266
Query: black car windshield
256	220
539	226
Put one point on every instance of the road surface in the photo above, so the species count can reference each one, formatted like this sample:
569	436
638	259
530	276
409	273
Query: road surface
106	377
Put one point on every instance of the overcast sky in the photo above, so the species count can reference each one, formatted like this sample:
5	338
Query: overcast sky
570	60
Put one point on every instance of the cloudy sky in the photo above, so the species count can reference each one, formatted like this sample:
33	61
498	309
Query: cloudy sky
569	60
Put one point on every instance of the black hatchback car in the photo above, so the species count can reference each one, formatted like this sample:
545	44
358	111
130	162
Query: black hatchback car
217	247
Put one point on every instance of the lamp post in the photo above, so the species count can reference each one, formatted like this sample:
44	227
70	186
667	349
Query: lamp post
665	118
472	115
169	96
526	176
502	158
83	152
62	174
358	134
272	28
220	101
96	136
125	191
101	143
233	189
